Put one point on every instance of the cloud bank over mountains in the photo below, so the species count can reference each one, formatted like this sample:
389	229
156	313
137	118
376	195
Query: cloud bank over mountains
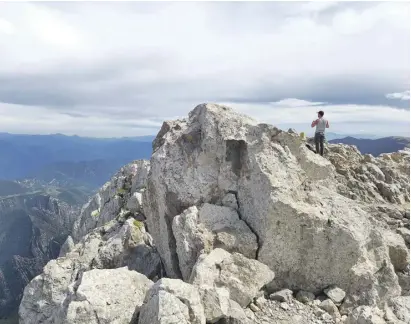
119	69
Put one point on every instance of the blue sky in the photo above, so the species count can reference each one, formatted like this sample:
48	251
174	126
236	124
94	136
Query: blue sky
120	69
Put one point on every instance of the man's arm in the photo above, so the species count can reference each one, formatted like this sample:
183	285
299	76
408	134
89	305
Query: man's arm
327	125
314	123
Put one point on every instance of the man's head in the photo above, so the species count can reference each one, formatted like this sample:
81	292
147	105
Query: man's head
320	114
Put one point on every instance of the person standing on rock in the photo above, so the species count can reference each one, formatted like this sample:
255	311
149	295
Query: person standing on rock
320	125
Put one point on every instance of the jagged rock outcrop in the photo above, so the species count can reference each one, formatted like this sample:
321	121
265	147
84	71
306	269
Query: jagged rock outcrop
228	202
67	246
371	179
117	194
309	233
122	241
110	247
32	228
97	296
107	296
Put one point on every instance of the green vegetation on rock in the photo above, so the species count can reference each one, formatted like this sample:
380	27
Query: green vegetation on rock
121	192
138	224
95	213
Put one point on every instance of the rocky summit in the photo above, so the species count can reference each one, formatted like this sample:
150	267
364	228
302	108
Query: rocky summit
236	222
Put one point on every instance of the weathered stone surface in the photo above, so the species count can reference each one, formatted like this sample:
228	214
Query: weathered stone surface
330	308
405	233
192	239
164	308
242	277
366	315
107	296
404	281
112	246
285	295
135	203
130	245
336	294
230	200
372	180
232	233
185	292
309	229
67	247
107	204
220	308
216	303
400	306
199	231
236	314
398	251
254	308
45	293
275	312
305	297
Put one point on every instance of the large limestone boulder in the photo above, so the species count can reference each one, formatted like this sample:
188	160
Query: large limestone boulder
164	308
44	295
121	192
240	276
218	306
310	234
115	245
107	296
197	231
184	292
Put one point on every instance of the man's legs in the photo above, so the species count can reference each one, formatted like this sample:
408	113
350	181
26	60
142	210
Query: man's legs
317	142
322	144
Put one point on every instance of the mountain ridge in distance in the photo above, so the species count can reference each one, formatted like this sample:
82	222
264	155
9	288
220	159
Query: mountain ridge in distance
25	155
376	146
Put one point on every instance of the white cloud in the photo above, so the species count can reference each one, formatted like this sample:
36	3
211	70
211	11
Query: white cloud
6	27
39	120
293	102
111	62
343	118
405	95
378	120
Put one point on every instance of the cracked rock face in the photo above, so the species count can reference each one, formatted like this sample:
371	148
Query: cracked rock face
164	308
197	231
242	277
111	247
184	292
117	194
310	234
122	241
107	296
